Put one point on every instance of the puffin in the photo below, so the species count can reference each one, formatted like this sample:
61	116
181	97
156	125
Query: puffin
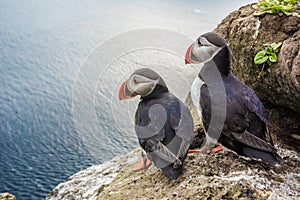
232	114
163	124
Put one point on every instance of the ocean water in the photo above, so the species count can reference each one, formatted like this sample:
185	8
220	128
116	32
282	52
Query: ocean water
51	125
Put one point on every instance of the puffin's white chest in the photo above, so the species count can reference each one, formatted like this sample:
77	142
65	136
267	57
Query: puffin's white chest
195	94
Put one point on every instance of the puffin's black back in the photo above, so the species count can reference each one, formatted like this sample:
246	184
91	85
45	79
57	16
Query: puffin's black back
244	112
177	114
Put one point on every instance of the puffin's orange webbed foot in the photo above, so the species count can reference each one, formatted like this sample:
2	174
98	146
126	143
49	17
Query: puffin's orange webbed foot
141	165
206	149
217	149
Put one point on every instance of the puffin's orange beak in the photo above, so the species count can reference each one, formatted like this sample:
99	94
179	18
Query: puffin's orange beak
188	55
122	93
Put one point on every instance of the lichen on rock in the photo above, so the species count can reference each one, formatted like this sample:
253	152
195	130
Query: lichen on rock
7	196
223	175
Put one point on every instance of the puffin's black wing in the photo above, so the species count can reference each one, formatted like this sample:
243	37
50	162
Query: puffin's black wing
244	128
251	140
253	104
250	145
181	122
248	127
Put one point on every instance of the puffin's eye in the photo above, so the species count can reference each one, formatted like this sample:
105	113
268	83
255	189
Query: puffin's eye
134	80
199	43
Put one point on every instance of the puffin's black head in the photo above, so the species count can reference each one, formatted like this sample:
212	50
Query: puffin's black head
210	47
144	82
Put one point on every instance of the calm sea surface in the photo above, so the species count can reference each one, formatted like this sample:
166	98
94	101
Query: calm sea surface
43	46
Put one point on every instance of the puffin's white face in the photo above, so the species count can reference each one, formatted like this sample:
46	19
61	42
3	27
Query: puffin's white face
141	85
201	51
137	85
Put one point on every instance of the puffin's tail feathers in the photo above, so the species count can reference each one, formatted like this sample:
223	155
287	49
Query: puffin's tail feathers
170	172
255	147
271	157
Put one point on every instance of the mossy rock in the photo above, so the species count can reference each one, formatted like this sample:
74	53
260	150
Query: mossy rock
248	34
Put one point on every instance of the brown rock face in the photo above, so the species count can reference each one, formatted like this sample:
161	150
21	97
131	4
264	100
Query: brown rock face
247	34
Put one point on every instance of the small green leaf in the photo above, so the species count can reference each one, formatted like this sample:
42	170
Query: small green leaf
276	45
260	58
274	7
269	50
286	13
273	57
261	53
258	13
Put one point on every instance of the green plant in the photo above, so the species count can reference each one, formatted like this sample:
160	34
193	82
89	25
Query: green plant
266	56
274	7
